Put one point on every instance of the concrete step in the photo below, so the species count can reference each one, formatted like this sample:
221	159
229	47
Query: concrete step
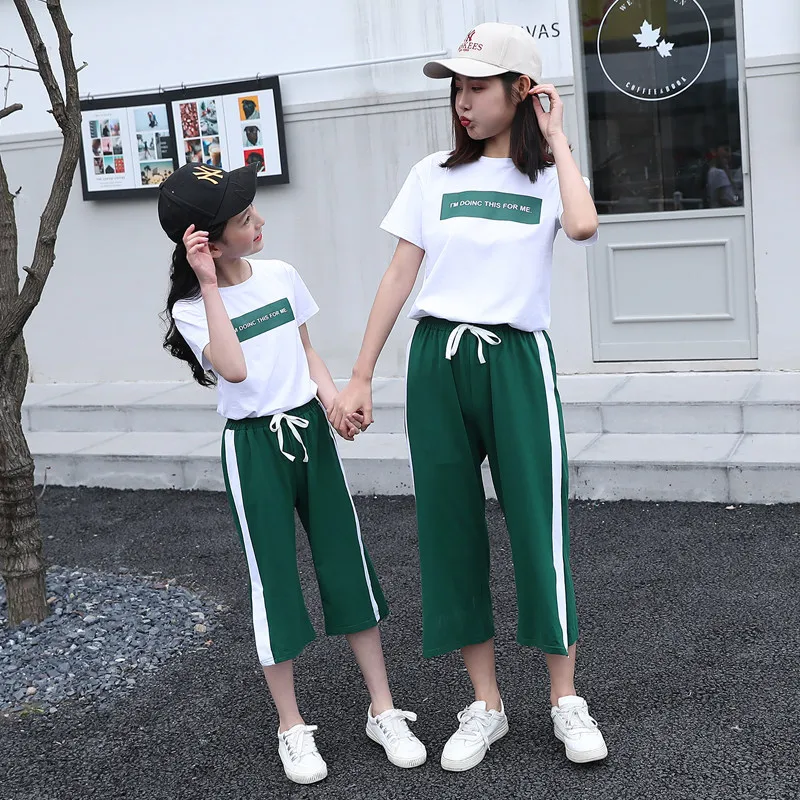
721	437
752	468
702	403
374	464
158	407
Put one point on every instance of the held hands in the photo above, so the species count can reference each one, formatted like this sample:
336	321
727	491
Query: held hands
199	257
351	426
352	408
551	122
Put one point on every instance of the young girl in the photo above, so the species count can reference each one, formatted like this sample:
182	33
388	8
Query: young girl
481	374
241	323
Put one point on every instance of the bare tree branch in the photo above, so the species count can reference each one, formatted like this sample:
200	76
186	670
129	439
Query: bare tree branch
18	66
10	109
8	84
65	51
42	59
11	54
68	117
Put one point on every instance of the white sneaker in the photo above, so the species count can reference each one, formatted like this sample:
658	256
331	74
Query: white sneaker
478	730
301	759
579	732
390	730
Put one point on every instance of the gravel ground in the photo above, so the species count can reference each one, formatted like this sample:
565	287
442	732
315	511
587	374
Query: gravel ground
689	658
104	632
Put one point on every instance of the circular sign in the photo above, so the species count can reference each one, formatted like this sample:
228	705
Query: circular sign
651	53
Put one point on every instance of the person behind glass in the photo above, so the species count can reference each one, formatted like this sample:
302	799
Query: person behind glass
240	322
481	376
719	183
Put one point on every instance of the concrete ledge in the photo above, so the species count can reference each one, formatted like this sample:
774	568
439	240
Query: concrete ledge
712	437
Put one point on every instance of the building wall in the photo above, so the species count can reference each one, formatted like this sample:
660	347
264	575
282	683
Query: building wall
352	135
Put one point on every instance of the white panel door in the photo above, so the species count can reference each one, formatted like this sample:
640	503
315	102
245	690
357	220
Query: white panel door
661	84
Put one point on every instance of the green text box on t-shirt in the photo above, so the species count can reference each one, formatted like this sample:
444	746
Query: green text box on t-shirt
493	205
263	319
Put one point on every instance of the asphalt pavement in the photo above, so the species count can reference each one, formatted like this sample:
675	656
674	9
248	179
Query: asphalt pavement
689	657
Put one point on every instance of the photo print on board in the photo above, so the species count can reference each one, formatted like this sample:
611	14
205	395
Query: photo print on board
154	173
212	152
207	111
255	157
249	108
251	136
190	121
151	118
193	151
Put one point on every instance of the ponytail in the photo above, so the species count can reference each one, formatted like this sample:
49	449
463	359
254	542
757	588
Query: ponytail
183	285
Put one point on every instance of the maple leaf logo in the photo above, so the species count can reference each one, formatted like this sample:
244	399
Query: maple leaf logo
665	48
648	36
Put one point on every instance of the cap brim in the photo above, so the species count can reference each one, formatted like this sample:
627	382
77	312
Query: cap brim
240	192
447	67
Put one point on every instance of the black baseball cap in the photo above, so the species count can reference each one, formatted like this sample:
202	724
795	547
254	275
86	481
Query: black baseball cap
201	195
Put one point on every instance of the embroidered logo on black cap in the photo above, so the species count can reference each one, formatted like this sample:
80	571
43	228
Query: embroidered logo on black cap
203	173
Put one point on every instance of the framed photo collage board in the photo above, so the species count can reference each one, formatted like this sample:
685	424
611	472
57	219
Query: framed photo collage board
132	143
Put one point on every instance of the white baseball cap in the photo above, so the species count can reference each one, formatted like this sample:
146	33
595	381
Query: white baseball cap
491	49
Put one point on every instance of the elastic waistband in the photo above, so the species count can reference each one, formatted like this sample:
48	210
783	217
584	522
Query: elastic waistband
307	411
435	323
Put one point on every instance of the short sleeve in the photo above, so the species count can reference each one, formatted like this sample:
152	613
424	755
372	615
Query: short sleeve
404	219
192	325
582	242
718	181
304	305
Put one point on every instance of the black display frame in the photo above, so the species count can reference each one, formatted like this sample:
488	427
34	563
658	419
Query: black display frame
170	96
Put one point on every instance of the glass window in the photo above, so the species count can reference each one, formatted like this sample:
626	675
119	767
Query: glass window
661	78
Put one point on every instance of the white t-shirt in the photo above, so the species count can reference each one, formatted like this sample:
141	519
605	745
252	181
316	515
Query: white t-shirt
487	232
718	179
266	311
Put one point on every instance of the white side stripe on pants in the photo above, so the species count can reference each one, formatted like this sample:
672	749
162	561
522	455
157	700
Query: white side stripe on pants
260	623
405	415
372	599
556	461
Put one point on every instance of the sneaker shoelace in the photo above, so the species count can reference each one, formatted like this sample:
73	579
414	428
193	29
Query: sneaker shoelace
300	742
394	723
472	725
578	720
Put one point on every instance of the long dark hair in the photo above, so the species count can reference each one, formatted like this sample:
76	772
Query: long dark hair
183	285
529	149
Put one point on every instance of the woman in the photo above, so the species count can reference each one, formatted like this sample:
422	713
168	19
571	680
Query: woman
481	374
